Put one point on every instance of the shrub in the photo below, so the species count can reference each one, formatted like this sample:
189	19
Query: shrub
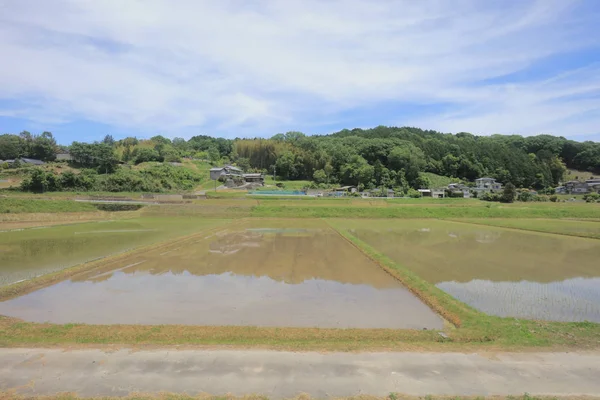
489	196
592	198
118	207
509	193
413	193
526	196
553	198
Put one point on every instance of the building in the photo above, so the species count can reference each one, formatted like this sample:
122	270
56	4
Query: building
488	184
346	189
435	193
254	178
222	173
593	184
577	187
459	189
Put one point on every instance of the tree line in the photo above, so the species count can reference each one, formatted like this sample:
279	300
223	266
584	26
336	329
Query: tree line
378	157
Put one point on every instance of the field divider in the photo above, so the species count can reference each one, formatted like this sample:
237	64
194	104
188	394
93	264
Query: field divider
442	303
27	286
533	231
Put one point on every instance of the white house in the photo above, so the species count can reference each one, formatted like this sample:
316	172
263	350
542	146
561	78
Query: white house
225	172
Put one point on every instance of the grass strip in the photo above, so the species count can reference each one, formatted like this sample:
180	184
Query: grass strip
14	205
428	211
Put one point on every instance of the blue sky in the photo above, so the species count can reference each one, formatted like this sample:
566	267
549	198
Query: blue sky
234	68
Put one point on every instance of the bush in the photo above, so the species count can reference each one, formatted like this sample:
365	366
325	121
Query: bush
118	207
553	198
415	194
526	196
141	155
40	181
509	193
592	198
489	196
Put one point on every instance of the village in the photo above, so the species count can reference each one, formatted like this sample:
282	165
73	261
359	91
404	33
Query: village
232	177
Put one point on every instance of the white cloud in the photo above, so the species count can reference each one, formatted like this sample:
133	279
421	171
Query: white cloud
265	66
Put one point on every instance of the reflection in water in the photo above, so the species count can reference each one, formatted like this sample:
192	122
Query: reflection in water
31	252
249	277
501	272
575	299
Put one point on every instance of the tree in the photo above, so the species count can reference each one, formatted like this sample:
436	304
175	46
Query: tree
43	147
509	193
11	147
286	165
142	154
319	176
409	158
108	139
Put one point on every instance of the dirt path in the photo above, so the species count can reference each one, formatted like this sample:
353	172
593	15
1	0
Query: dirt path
286	374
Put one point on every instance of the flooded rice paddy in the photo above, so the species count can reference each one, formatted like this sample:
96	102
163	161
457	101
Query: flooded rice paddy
589	229
277	273
27	253
503	272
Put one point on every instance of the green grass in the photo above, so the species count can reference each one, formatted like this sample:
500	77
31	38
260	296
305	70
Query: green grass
427	211
13	205
288	185
573	174
439	181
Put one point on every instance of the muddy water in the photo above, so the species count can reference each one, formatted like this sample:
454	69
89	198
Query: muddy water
255	275
26	253
499	271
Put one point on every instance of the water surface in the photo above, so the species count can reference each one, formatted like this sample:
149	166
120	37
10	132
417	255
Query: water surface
26	253
502	272
303	276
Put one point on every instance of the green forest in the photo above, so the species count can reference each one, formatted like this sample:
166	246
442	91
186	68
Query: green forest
379	157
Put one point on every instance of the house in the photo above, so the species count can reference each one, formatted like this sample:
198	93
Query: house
346	189
577	187
435	193
593	184
459	190
487	184
560	190
225	172
254	178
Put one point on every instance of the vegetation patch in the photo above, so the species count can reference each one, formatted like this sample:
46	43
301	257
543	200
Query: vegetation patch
118	207
15	205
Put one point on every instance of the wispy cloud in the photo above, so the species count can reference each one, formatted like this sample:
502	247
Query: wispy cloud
236	68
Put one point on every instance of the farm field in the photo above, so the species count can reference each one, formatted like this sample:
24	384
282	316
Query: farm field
344	274
27	253
590	229
501	272
272	273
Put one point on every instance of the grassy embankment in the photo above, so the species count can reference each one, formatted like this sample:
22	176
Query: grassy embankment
329	208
